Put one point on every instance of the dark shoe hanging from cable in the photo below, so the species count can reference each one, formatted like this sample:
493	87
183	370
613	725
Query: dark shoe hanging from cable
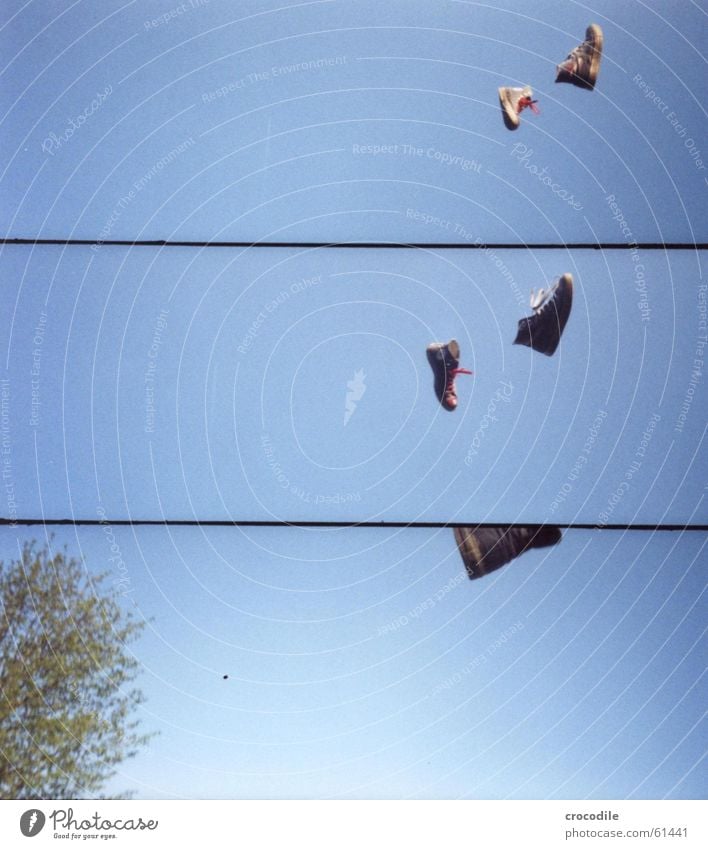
483	550
542	330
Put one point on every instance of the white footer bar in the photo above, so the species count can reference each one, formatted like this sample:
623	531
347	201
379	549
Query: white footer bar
357	824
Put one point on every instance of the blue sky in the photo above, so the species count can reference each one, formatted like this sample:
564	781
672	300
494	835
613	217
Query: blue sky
212	383
277	152
364	664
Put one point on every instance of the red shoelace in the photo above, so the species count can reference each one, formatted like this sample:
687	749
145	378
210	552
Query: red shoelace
526	101
451	375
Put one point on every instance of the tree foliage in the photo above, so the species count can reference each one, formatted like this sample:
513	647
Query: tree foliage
66	678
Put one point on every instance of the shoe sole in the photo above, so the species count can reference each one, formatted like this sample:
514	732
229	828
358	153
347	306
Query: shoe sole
511	119
566	281
594	36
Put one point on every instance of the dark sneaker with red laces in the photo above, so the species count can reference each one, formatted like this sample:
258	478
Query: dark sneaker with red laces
542	330
444	360
513	102
484	550
583	63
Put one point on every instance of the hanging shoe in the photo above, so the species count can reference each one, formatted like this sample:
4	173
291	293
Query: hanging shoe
513	102
542	330
483	550
444	360
583	63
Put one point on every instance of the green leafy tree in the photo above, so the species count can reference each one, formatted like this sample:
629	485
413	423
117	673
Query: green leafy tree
66	678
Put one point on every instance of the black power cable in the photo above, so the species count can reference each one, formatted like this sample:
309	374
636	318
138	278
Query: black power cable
537	246
297	523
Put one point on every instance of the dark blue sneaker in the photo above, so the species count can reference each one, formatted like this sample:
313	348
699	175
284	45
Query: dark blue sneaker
542	330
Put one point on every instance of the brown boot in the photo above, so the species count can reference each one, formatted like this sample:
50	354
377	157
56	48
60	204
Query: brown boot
483	550
583	63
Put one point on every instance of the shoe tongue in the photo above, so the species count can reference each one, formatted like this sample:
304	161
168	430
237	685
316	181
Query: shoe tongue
450	361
